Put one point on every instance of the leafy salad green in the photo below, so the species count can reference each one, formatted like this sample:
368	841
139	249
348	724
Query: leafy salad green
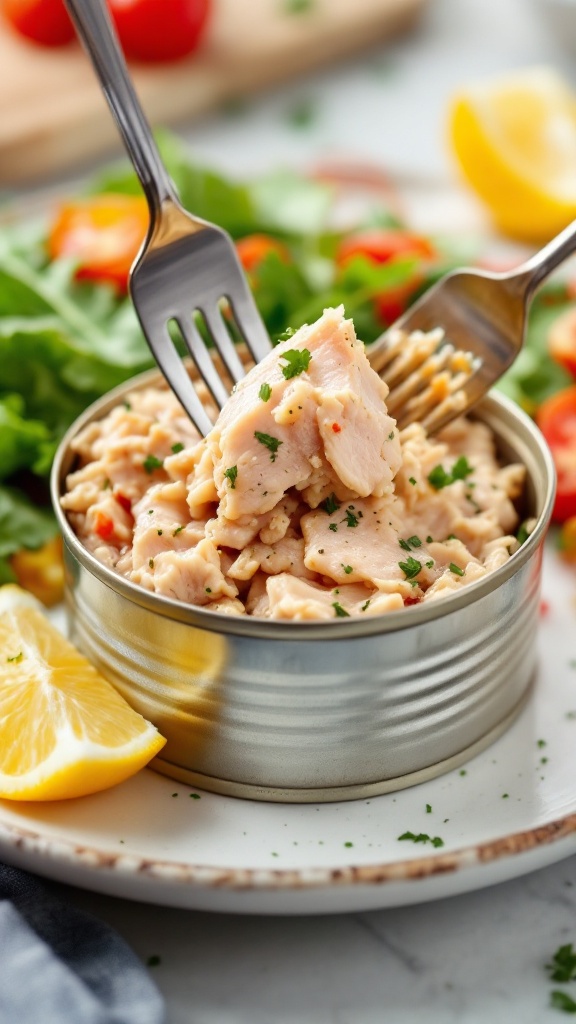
63	342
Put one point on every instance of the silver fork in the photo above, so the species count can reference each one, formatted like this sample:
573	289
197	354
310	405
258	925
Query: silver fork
185	264
483	317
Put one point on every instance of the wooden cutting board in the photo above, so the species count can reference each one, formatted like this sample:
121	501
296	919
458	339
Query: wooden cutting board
53	117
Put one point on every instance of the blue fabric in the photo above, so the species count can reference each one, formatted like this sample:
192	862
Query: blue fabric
59	965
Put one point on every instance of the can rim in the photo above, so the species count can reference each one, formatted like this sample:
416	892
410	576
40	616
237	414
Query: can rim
506	419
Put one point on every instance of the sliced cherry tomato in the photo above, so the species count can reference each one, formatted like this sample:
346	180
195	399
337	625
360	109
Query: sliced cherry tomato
104	233
382	244
42	21
159	30
562	341
556	418
388	245
254	248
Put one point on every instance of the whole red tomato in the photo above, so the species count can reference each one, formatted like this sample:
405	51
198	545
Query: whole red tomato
103	233
556	418
159	30
388	245
43	21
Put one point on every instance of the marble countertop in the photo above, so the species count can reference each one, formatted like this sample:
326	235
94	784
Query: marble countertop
470	959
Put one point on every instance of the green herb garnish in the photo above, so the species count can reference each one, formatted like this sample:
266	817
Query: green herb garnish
298	360
411	567
178	447
562	1001
177	530
347	568
298	6
522	534
151	463
439	478
341	612
333	527
411	480
17	658
456	569
351	519
422	837
265	392
330	504
415	542
271	443
231	473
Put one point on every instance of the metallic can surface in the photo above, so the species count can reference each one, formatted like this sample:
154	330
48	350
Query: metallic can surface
320	711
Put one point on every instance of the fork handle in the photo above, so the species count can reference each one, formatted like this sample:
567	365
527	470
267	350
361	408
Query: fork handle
95	30
530	275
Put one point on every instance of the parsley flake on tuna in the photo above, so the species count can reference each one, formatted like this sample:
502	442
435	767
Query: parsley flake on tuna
456	569
231	473
178	447
297	360
351	519
421	837
330	504
271	443
438	478
265	392
151	462
339	611
411	567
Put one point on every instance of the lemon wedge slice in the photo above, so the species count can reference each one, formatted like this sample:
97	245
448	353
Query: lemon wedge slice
64	730
515	141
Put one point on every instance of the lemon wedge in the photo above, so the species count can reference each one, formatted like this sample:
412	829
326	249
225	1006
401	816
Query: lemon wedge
64	730
515	141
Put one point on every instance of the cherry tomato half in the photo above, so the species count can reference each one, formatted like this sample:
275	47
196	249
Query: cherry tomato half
42	21
252	249
556	418
387	245
159	30
104	233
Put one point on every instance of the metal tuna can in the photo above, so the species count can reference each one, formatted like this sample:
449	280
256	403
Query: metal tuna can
311	712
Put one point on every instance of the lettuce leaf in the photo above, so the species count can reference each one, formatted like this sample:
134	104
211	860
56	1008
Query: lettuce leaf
22	525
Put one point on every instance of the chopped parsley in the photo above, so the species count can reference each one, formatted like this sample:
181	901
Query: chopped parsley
563	965
412	481
159	532
297	360
411	567
430	564
562	1001
17	658
177	530
540	744
271	443
333	527
265	392
178	447
429	539
347	568
456	569
365	605
330	504
208	590
151	463
404	544
391	435
151	563
351	519
439	478
414	542
231	473
428	808
340	612
422	837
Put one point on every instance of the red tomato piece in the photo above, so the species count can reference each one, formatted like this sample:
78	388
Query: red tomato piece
388	245
103	526
104	233
562	341
159	30
556	418
254	248
42	21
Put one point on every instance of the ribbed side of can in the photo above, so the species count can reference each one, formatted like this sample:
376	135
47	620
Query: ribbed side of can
305	714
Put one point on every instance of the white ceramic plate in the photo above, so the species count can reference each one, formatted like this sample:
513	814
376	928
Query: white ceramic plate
511	810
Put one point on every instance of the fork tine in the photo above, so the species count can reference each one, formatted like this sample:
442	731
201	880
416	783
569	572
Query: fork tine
249	321
202	359
170	362
223	343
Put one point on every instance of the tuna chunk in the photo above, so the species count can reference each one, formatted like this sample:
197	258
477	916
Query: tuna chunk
326	427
